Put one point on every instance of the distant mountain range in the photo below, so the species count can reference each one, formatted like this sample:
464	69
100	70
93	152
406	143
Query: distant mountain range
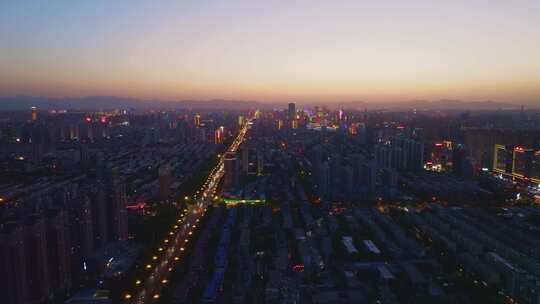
13	103
444	104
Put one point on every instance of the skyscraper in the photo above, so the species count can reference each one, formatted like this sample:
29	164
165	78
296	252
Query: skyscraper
58	251
245	160
503	158
34	114
231	171
323	181
99	215
116	192
12	265
522	161
292	110
260	161
461	161
37	270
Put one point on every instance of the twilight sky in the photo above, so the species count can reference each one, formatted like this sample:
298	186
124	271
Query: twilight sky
325	51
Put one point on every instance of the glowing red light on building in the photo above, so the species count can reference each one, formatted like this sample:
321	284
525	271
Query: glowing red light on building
138	206
298	267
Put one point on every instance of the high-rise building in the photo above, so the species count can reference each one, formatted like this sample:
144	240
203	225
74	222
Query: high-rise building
117	199
197	120
383	155
219	135
389	178
34	113
74	131
535	167
522	161
231	171
292	110
202	135
400	154
411	153
58	251
503	158
245	160
12	265
165	181
369	177
279	124
81	232
336	181
260	161
323	180
37	266
241	120
348	181
99	212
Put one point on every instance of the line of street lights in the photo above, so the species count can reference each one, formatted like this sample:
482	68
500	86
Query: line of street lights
211	183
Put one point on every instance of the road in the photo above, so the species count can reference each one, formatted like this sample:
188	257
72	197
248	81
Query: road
170	254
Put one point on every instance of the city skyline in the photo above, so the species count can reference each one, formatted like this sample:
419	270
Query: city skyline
273	52
238	152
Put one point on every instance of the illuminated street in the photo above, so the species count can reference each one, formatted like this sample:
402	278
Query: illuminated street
170	254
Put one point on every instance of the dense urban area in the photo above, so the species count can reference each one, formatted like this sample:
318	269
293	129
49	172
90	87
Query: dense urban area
298	204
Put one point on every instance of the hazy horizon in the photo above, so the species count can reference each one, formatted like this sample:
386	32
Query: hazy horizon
322	52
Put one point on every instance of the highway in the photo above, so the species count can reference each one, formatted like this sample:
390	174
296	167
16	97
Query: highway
170	254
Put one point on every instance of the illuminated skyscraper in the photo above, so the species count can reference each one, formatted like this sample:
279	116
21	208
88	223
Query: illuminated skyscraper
241	120
197	120
279	124
34	113
217	136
